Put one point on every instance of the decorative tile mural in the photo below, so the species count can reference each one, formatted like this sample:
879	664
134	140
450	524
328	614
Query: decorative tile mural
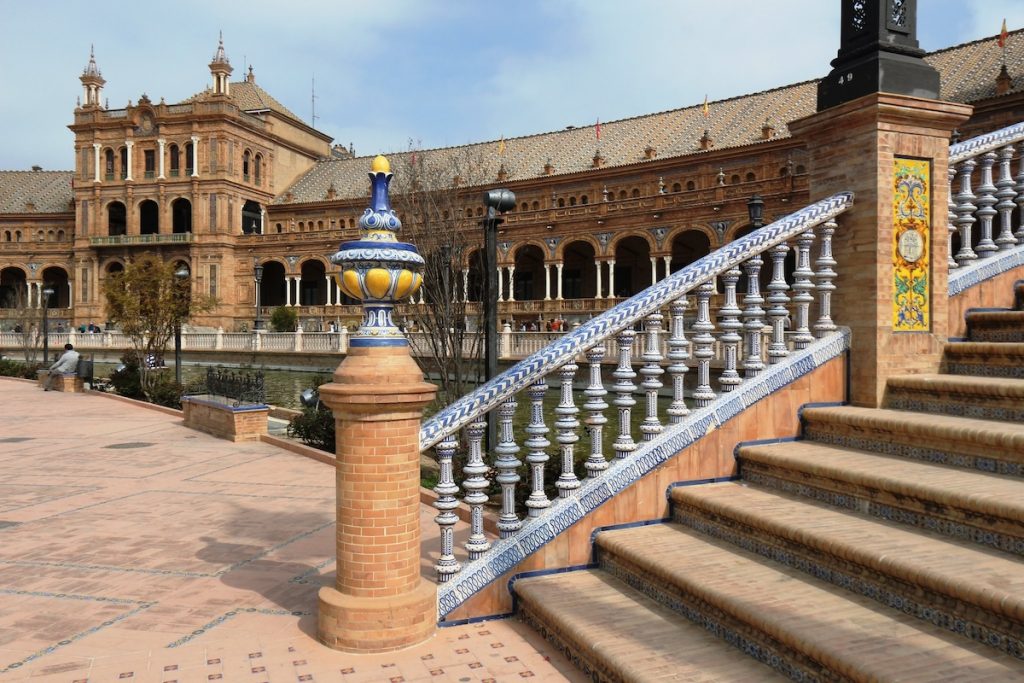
910	245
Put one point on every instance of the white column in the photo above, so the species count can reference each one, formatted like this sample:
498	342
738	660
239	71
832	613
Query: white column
611	279
547	282
559	267
337	291
654	269
288	290
599	289
161	142
465	284
330	289
96	161
668	265
195	156
501	283
71	294
128	170
511	283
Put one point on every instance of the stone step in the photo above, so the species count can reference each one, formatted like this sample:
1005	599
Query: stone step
986	398
996	325
954	585
983	445
973	506
614	633
985	359
816	629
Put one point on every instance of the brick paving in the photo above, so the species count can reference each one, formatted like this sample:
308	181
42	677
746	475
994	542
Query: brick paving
132	548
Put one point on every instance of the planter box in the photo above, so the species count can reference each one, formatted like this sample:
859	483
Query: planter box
213	416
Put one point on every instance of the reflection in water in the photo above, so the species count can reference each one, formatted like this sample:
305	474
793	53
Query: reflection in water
283	386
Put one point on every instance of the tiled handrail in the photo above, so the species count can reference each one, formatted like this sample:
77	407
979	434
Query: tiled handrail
988	142
625	315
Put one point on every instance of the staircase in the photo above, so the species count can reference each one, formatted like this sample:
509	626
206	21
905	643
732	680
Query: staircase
886	544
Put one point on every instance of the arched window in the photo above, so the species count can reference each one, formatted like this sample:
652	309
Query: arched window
41	236
751	177
51	236
800	169
469	213
561	202
7	235
279	227
181	215
584	200
257	169
319	225
572	201
783	172
245	165
636	192
676	187
190	158
60	236
536	206
690	185
124	163
623	195
149	218
735	179
479	211
351	222
108	163
117	219
17	235
302	226
175	155
524	206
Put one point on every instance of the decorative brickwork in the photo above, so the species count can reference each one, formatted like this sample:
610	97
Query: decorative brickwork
243	423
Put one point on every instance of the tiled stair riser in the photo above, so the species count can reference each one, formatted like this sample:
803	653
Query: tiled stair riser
952	455
752	642
940	610
996	333
952	404
930	515
567	645
986	368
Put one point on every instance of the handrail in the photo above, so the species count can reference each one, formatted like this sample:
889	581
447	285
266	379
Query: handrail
468	408
987	142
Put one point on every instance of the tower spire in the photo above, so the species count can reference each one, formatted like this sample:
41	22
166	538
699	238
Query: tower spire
220	68
92	82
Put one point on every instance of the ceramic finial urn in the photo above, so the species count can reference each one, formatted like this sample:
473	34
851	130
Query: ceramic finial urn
377	269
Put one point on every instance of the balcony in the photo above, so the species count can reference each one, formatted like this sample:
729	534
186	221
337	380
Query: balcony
123	240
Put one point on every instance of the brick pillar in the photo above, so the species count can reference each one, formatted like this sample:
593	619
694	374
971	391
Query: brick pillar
853	147
380	602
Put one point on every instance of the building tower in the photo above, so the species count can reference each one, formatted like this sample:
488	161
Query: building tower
221	69
92	83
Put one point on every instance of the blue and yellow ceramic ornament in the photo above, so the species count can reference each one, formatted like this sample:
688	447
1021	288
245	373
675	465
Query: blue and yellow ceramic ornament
377	269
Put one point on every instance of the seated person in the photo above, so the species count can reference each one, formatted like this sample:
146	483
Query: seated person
67	363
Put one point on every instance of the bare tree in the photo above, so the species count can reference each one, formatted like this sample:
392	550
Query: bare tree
431	192
28	322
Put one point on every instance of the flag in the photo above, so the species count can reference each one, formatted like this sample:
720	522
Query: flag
501	146
1002	35
705	109
597	130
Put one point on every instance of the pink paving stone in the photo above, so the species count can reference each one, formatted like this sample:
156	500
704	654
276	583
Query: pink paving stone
132	545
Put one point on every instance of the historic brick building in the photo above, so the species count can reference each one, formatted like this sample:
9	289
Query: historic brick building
230	178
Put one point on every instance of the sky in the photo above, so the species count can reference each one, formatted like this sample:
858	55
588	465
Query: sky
432	73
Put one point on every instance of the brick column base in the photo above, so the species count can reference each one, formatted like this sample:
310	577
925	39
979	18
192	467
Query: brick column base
379	601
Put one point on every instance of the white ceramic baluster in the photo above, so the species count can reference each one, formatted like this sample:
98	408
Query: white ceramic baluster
475	486
731	326
651	371
508	470
624	388
567	425
678	354
595	420
985	212
777	297
535	444
952	218
1019	187
1005	195
825	275
802	286
446	505
753	317
703	344
965	213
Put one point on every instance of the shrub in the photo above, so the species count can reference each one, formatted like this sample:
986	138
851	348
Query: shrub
125	379
314	427
13	368
284	319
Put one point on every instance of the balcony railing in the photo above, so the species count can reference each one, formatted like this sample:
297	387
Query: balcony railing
122	240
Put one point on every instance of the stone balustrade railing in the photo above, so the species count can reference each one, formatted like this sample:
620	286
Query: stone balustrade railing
986	160
634	332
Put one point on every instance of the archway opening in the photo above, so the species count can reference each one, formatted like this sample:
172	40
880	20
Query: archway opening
56	278
579	274
149	218
252	218
181	215
632	266
529	274
272	285
313	284
687	247
117	219
475	288
13	288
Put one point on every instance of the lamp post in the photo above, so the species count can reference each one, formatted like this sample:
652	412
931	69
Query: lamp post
755	209
496	201
47	293
257	273
181	274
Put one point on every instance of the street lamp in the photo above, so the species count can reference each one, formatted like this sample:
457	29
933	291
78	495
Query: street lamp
755	208
257	273
181	275
496	201
47	293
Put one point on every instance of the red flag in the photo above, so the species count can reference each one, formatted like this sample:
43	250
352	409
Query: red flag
1002	35
597	130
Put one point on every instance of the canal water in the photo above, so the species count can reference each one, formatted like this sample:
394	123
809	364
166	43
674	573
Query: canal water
283	386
